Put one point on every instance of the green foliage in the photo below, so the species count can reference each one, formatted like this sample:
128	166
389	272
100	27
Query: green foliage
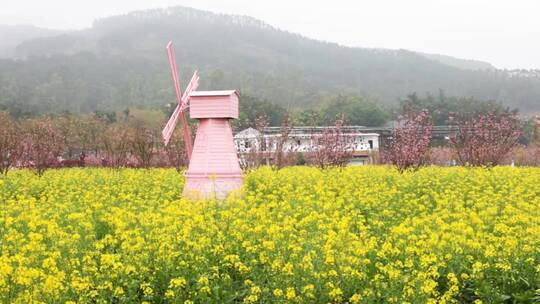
308	117
356	111
531	131
442	107
252	107
106	116
300	159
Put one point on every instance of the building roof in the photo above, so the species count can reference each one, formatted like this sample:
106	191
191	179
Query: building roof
298	132
247	133
318	129
213	93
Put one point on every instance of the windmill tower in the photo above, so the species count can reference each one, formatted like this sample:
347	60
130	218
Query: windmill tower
213	169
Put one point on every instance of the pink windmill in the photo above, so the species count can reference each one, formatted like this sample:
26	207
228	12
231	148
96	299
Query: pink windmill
213	169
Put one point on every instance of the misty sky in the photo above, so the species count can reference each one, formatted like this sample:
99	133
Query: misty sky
504	33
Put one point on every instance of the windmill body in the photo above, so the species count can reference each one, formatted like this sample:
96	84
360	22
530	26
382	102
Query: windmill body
214	169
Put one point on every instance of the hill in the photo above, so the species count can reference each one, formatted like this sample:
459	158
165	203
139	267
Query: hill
13	35
465	64
120	61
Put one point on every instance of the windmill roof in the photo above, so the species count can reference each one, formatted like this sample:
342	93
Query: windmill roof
213	93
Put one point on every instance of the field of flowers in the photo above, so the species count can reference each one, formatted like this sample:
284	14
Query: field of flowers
298	235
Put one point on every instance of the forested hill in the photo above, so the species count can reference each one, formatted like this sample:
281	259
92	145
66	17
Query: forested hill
13	35
460	63
121	62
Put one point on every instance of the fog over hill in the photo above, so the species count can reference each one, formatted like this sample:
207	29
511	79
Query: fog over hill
466	64
13	35
121	62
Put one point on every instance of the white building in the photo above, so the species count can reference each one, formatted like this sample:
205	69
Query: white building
305	140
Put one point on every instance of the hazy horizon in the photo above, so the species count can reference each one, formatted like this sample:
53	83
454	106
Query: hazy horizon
496	32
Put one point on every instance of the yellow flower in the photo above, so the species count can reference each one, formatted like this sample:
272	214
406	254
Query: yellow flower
293	234
309	290
205	290
252	298
147	289
336	294
203	280
291	293
429	286
255	290
178	283
355	298
118	291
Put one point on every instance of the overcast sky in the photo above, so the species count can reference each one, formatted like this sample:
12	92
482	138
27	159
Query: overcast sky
502	32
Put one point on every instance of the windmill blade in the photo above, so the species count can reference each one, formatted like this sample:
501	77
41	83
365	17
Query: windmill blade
192	86
174	72
187	135
173	120
182	100
171	125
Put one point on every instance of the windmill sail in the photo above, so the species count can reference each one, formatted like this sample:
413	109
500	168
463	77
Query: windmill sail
182	100
171	125
174	72
192	86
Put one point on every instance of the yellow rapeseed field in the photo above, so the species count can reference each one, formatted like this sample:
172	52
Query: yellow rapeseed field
298	235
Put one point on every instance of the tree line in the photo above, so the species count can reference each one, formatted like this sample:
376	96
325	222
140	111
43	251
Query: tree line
132	138
68	140
478	139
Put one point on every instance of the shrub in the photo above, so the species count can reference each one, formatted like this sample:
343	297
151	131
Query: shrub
42	144
115	145
484	139
143	143
10	143
333	147
409	146
176	152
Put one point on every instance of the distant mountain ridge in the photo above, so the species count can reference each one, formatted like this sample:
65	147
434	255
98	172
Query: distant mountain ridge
466	64
63	40
120	62
13	35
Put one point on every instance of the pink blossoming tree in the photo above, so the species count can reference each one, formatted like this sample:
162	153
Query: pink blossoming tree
10	143
409	146
333	147
42	145
485	139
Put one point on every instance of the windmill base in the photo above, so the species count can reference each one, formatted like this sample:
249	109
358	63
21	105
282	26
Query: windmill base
217	186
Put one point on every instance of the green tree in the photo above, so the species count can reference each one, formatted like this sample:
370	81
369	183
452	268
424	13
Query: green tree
442	107
308	117
356	111
252	107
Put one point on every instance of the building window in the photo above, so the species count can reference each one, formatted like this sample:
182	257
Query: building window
370	142
247	144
